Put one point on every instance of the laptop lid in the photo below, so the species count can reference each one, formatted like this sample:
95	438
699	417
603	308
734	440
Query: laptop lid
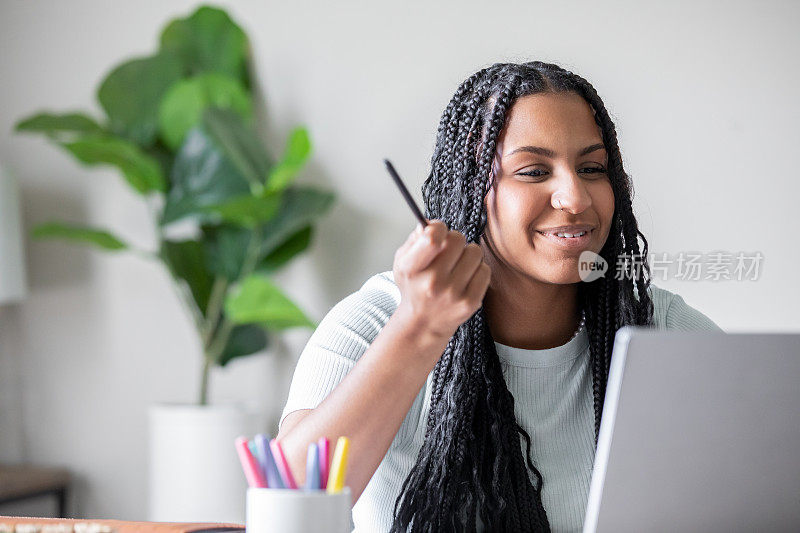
700	432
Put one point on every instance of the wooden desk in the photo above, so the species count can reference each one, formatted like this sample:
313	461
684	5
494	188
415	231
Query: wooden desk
62	525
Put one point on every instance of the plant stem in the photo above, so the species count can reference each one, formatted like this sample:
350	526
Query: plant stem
207	333
215	303
204	380
215	339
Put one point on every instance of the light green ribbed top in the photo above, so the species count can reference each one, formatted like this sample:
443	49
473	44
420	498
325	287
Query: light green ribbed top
552	391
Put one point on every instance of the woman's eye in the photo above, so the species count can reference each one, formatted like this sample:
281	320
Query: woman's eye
531	173
594	170
536	173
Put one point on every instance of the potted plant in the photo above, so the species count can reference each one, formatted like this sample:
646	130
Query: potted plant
179	128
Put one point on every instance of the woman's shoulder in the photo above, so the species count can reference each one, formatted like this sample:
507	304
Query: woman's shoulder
670	311
377	292
367	309
382	284
350	325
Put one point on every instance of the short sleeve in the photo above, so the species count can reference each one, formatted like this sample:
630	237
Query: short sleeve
681	316
341	338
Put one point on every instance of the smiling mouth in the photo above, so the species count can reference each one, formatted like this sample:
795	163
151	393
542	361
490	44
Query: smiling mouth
565	235
569	241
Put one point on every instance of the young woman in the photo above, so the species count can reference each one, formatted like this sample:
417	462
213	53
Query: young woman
470	378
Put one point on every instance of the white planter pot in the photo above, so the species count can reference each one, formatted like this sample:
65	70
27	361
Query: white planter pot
195	475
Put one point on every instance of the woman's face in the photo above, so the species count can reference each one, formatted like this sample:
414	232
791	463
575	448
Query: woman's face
550	155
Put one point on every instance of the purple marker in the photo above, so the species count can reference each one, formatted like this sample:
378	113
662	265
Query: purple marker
271	474
312	468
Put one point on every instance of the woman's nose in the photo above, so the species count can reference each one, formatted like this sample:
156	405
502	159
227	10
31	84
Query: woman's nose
571	194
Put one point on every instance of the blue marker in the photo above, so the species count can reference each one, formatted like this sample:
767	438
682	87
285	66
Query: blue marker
256	455
312	468
259	457
271	474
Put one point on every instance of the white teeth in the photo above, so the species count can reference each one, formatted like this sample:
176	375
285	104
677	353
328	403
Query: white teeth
570	235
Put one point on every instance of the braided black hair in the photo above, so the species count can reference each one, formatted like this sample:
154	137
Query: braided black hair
471	463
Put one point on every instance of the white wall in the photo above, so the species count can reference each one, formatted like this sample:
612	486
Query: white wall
704	96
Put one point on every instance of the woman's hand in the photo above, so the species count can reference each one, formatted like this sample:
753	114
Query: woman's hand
442	282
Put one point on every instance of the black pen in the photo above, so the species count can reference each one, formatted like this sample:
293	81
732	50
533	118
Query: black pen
409	200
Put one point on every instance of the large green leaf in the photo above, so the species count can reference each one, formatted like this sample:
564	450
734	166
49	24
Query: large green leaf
165	157
256	299
140	170
226	247
186	261
300	207
283	237
60	126
201	177
208	41
298	148
248	210
80	234
284	253
183	105
239	143
245	339
131	95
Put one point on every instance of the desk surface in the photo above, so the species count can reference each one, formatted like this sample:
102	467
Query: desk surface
65	525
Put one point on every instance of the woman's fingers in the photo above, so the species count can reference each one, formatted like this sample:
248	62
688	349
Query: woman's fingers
468	263
477	286
451	252
442	279
422	250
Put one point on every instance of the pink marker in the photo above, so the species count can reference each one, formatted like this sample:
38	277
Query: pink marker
252	471
324	461
283	465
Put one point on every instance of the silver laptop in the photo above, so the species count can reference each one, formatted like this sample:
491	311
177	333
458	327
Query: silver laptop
700	432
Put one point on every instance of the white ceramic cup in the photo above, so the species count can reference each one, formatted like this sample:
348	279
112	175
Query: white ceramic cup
297	511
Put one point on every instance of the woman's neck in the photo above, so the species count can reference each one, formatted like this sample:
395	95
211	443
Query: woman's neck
529	314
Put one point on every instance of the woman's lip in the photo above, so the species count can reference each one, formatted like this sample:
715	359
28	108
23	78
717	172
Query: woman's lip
568	243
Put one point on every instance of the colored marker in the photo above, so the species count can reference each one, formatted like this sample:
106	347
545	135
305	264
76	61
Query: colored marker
252	471
312	468
256	453
338	466
271	473
251	444
283	465
324	461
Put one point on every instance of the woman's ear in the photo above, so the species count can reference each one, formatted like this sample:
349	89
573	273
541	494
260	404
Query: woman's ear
495	167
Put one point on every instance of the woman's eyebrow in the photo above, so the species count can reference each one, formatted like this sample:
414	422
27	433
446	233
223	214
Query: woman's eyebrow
546	152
